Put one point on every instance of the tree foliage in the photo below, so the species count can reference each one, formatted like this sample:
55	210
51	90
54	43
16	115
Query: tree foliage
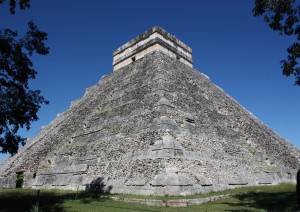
18	103
23	4
284	16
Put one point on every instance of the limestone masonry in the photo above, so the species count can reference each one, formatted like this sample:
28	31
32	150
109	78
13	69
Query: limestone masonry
154	126
154	39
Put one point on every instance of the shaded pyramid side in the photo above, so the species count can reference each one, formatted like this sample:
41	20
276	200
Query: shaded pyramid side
155	127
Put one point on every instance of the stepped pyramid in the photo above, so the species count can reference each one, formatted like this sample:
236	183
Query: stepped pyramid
154	126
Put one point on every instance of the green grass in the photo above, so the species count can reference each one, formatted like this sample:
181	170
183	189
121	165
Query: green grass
263	198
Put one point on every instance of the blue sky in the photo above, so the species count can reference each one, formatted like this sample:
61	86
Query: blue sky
236	50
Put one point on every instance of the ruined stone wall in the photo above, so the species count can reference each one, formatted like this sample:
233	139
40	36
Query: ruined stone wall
155	127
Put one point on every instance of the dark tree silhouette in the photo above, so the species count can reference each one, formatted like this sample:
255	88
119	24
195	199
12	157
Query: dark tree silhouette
284	16
18	103
23	4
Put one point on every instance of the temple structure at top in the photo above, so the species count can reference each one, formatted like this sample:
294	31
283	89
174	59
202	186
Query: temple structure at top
153	39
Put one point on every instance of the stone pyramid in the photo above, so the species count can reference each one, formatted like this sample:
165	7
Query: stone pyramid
154	126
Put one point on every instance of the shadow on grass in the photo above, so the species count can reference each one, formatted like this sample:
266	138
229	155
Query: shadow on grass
97	189
50	200
279	201
23	200
56	200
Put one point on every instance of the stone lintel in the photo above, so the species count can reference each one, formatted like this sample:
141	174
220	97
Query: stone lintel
80	168
154	39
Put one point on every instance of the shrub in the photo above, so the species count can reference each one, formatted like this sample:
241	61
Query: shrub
20	179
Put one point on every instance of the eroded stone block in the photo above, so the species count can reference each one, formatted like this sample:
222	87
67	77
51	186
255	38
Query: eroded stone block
177	203
8	182
203	181
135	182
64	169
39	181
28	180
159	180
62	180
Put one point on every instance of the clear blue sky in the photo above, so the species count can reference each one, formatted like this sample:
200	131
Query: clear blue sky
236	50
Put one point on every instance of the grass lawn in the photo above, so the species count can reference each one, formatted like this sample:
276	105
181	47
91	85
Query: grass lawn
264	198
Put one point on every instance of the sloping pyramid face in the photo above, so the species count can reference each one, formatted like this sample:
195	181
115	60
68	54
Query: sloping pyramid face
156	127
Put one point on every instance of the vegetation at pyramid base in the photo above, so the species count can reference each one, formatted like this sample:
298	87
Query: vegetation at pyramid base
20	180
284	16
263	198
18	103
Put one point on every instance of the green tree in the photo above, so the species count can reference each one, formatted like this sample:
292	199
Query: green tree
18	103
283	16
